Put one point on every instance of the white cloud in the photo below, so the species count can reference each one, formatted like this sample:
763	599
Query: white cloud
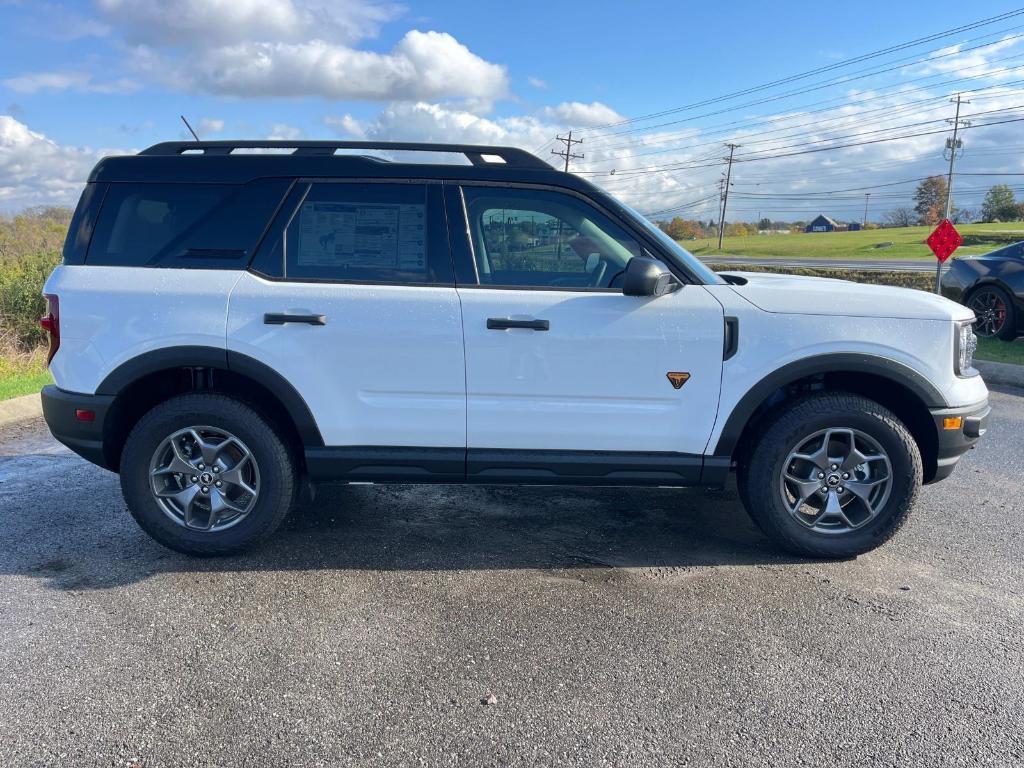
424	65
64	81
208	125
346	125
537	83
575	113
284	132
980	61
199	23
35	170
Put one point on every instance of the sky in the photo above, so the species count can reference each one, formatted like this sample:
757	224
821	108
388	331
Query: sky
654	89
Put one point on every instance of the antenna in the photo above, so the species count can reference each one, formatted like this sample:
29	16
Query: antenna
189	127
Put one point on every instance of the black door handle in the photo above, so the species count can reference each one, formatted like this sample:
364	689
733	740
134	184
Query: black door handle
504	323
280	318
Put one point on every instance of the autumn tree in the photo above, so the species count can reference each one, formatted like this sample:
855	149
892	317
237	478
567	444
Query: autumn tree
930	200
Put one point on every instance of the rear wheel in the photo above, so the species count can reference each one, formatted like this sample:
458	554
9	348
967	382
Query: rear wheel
833	475
204	474
995	313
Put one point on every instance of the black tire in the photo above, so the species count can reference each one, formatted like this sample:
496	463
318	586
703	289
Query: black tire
760	479
990	297
277	475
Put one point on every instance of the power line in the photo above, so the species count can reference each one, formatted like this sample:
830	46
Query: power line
822	69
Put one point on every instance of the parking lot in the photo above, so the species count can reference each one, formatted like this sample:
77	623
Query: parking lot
607	626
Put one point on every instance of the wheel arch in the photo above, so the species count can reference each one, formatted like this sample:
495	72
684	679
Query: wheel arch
894	385
142	382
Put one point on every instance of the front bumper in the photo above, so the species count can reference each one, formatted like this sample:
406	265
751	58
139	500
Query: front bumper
955	441
63	411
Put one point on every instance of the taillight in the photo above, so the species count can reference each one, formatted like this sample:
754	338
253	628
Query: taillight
50	322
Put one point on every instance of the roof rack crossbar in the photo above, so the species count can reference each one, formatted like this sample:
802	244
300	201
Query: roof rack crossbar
477	155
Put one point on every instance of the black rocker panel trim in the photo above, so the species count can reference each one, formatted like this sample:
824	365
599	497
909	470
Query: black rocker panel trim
837	363
216	358
484	465
386	464
400	464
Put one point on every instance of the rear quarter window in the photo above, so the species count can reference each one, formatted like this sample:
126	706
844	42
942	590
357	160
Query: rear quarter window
199	226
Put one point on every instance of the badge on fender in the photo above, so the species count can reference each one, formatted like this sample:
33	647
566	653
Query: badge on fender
678	378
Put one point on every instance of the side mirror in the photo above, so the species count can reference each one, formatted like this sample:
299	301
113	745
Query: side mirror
647	277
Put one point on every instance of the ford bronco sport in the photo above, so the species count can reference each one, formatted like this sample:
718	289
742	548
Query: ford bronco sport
229	324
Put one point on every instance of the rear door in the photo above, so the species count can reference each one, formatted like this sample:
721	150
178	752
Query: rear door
559	360
352	300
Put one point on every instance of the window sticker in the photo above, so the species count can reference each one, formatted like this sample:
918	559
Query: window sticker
367	235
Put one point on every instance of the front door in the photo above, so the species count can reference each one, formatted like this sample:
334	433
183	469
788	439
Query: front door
564	373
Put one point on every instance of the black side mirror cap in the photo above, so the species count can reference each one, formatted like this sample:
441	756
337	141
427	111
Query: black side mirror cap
647	277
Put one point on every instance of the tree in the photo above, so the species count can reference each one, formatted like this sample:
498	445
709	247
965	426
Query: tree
930	200
764	223
999	204
900	217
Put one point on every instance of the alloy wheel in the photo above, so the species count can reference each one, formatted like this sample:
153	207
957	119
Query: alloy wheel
204	478
990	311
836	480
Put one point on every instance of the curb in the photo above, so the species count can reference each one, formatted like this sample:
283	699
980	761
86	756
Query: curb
20	409
1001	373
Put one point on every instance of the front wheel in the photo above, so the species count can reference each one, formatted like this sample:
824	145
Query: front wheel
832	475
995	313
205	474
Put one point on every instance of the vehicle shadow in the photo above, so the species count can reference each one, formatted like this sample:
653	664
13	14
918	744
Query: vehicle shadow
96	545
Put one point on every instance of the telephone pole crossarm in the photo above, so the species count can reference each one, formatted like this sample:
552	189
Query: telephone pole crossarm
567	153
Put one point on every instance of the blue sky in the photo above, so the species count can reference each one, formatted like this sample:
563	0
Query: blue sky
79	79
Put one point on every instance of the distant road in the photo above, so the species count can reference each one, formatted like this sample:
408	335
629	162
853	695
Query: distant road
876	265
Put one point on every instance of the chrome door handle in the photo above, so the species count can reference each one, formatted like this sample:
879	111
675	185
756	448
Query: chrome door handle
504	323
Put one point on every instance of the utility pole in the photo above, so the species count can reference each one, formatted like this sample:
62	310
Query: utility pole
725	193
953	145
866	196
567	153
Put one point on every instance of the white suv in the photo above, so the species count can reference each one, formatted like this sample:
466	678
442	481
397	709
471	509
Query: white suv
228	324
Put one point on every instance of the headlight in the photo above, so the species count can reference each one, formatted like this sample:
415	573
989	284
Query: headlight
966	344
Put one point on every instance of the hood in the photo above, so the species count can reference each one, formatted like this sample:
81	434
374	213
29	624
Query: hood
793	294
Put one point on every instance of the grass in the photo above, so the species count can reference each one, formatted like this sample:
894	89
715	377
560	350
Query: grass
22	373
907	243
23	384
1001	351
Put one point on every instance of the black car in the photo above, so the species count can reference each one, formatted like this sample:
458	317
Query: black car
993	286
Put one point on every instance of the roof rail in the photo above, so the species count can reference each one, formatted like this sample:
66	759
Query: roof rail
477	155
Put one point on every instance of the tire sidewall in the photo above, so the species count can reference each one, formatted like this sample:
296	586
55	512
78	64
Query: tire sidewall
276	478
906	480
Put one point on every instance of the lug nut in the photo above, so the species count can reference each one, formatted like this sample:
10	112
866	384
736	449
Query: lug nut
194	478
218	483
216	470
201	466
824	489
206	489
846	475
839	489
821	475
834	466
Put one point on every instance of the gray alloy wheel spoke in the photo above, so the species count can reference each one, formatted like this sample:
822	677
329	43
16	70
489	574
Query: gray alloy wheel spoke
854	469
209	488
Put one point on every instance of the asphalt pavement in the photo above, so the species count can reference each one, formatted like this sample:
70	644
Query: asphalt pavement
605	626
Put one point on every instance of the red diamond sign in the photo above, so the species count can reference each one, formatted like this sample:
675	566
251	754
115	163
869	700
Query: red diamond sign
944	240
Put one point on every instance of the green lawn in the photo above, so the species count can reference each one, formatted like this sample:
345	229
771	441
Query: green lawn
1001	351
906	243
23	384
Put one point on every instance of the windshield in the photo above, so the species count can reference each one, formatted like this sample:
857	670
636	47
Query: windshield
695	265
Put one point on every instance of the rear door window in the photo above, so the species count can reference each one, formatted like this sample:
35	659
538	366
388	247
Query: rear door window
183	225
362	233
